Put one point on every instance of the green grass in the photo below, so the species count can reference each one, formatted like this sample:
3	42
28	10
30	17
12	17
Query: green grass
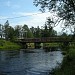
68	64
51	44
30	45
7	45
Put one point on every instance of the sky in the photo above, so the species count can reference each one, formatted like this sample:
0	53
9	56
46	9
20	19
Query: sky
26	12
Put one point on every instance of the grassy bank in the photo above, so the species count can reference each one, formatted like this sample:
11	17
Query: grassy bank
51	44
32	45
7	45
68	64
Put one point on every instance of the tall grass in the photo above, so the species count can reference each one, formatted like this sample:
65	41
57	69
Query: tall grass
7	45
68	64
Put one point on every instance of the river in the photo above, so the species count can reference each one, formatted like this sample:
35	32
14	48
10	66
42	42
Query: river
34	62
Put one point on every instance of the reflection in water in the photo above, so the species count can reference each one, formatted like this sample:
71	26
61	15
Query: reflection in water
2	56
22	63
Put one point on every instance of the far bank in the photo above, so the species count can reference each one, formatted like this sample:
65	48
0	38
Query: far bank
8	45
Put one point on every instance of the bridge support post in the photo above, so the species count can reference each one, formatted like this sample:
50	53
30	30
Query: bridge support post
37	45
24	45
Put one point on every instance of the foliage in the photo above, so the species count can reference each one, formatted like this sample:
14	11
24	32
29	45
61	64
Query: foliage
64	8
17	30
68	64
45	31
36	32
27	33
10	32
64	35
6	30
48	30
51	44
24	31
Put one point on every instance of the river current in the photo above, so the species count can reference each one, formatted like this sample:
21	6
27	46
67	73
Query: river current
34	62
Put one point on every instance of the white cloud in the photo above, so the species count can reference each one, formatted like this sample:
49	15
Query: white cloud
32	19
35	19
3	17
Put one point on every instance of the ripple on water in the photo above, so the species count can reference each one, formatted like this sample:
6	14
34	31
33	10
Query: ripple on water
21	63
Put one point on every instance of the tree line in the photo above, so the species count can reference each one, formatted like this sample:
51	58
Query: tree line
19	31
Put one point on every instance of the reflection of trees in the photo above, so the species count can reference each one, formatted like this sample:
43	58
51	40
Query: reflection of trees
12	54
2	55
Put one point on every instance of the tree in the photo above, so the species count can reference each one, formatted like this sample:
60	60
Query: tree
48	30
10	33
1	31
6	31
49	23
64	8
27	32
32	29
17	30
64	34
36	32
45	32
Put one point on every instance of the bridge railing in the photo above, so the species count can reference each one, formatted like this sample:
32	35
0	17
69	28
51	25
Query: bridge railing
44	39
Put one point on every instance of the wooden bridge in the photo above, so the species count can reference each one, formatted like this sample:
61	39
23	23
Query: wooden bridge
44	40
38	41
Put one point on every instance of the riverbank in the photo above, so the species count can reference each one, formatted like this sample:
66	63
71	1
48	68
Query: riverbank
51	44
43	45
68	64
7	45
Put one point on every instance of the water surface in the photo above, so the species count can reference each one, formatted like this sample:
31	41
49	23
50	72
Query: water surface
35	62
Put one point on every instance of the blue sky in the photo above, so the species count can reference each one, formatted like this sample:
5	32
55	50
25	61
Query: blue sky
11	6
16	8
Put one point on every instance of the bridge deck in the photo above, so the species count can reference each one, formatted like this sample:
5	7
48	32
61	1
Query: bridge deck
44	40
